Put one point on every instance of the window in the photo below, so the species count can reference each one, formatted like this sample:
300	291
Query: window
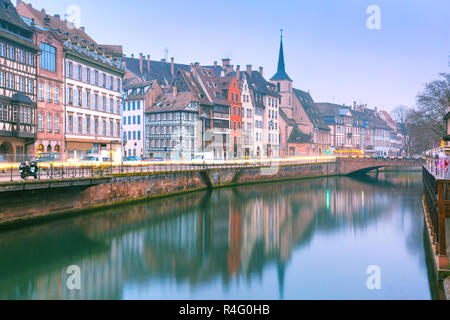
138	119
88	125
56	123
80	125
104	103
2	79
49	122
11	52
22	84
104	80
96	77
80	72
2	49
30	59
41	92
10	81
56	95
48	57
30	85
69	69
22	56
88	75
111	103
96	102
70	98
49	93
41	122
139	105
80	98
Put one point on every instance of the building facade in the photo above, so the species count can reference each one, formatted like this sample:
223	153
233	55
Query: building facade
18	75
92	79
136	99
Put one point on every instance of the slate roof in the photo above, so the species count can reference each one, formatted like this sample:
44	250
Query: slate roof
159	70
372	118
281	72
212	86
9	14
312	111
76	40
136	90
170	102
297	136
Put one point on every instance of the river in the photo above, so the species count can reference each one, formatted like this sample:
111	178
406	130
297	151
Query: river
305	239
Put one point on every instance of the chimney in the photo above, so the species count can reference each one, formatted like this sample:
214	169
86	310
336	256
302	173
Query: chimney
261	71
148	63
132	55
225	63
354	105
43	10
141	63
197	64
46	20
215	63
238	72
163	60
175	91
83	29
249	69
172	66
57	16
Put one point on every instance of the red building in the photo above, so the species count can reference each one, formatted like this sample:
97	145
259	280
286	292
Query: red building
50	88
233	95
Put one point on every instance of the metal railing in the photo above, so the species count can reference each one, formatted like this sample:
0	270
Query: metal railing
437	204
67	170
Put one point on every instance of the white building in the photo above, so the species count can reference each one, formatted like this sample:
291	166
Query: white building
92	97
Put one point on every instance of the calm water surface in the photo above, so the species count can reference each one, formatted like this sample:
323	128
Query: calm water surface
310	239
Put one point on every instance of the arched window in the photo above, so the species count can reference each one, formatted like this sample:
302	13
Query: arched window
40	148
49	148
57	149
278	87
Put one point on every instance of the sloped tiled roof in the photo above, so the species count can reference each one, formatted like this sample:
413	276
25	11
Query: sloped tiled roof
372	118
311	109
169	102
76	40
297	136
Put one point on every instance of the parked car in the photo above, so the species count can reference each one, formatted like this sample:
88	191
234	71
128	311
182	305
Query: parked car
47	157
93	158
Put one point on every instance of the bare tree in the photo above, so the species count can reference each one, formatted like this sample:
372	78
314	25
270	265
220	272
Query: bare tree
425	124
400	116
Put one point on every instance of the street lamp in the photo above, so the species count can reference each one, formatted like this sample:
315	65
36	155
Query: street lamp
203	116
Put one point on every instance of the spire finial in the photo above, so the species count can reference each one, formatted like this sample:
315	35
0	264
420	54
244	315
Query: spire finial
281	33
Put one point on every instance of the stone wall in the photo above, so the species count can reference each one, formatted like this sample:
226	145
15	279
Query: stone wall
27	205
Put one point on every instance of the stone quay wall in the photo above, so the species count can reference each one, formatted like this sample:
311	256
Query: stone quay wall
29	202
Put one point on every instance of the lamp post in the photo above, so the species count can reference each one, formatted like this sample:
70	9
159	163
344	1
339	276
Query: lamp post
203	116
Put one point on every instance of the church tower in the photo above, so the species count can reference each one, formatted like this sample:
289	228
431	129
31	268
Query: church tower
282	80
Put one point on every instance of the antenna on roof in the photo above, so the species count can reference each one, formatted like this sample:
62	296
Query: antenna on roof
166	53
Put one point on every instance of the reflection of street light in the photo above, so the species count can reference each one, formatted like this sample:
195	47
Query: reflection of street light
181	147
315	133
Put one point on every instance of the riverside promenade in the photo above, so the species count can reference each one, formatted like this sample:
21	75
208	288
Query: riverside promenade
74	189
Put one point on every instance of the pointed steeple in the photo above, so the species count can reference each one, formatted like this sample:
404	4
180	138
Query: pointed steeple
281	71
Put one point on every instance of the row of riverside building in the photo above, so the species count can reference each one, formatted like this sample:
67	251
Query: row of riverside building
62	92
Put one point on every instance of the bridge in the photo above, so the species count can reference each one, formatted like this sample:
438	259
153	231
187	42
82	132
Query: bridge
363	165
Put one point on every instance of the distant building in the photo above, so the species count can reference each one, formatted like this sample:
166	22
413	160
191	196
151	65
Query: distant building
92	88
302	131
18	73
136	100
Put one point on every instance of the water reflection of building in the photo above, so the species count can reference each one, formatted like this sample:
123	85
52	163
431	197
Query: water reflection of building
191	239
